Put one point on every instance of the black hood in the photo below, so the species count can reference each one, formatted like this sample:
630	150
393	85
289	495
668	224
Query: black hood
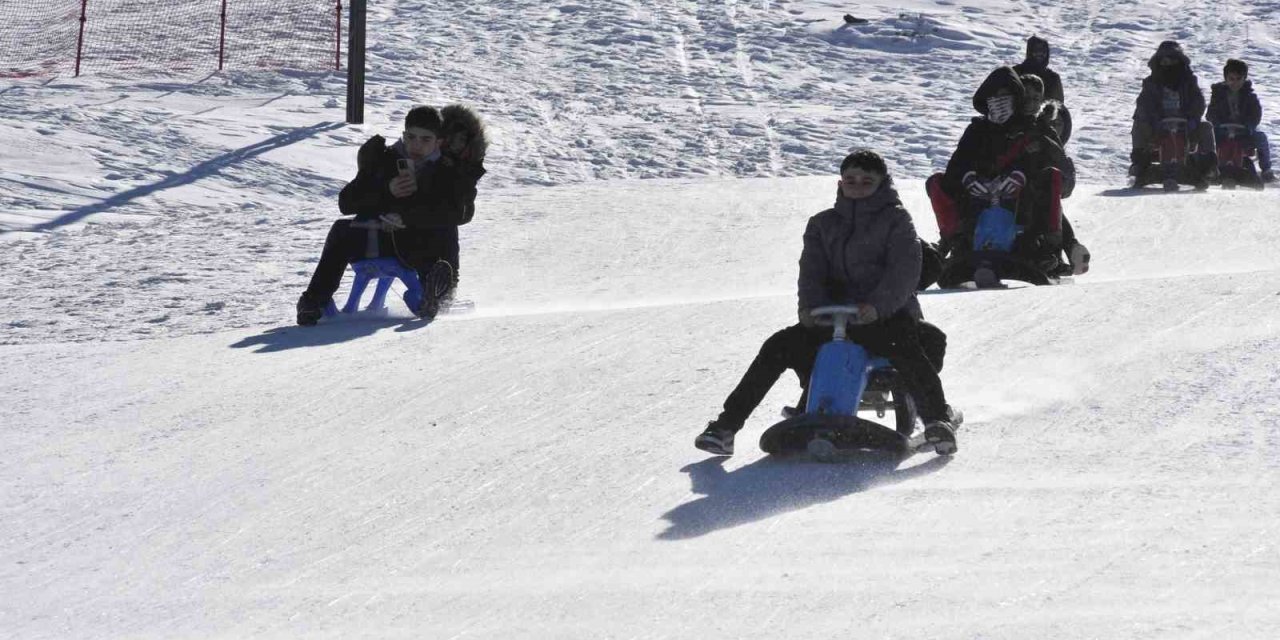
1173	49
1001	78
1032	43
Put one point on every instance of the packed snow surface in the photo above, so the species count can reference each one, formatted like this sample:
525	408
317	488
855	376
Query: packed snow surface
181	461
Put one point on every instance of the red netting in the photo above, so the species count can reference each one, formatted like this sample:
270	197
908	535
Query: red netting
41	37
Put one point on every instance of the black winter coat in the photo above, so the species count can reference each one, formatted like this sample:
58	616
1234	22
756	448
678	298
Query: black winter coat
1219	112
992	150
1184	97
446	192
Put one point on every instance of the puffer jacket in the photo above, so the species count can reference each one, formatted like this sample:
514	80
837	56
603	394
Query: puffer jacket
862	251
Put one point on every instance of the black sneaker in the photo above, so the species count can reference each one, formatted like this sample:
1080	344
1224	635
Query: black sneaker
716	439
310	310
942	436
437	288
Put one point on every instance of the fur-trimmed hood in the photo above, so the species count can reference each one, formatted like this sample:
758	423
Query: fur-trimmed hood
463	134
1168	48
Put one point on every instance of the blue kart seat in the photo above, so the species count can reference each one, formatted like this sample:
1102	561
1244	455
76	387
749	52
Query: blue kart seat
385	270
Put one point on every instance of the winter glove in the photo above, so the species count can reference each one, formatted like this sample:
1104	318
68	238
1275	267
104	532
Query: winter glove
391	221
1012	184
867	314
974	186
370	152
806	319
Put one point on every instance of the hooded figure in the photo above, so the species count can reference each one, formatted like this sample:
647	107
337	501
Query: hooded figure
1037	62
1171	91
991	149
1015	162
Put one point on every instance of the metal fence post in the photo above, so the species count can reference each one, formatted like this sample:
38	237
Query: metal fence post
355	63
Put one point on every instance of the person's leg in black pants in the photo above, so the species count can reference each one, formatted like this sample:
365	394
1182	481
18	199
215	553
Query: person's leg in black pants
344	244
898	339
795	347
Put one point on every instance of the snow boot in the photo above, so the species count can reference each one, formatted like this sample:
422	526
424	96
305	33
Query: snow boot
716	439
437	289
942	435
310	310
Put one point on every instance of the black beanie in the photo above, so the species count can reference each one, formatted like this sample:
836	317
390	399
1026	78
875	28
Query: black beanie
1235	66
423	118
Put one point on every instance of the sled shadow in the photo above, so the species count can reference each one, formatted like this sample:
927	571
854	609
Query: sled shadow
325	333
1130	192
203	170
772	485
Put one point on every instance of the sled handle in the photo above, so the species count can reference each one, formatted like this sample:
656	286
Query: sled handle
1173	122
836	316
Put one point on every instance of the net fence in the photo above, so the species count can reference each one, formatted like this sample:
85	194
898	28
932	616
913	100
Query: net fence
68	37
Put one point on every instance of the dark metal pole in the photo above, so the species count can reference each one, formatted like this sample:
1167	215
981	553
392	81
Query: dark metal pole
355	63
84	8
337	38
222	36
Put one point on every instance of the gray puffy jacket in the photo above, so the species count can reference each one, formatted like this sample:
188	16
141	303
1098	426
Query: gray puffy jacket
862	251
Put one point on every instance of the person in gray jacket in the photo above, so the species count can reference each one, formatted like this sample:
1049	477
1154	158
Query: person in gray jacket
864	251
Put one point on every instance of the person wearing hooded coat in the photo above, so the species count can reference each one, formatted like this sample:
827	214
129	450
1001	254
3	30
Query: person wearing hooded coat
1171	91
413	219
1037	63
1005	153
1233	101
863	251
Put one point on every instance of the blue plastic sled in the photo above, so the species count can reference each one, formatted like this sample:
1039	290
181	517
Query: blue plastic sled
385	271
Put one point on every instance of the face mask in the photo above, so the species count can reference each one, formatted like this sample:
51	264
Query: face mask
999	109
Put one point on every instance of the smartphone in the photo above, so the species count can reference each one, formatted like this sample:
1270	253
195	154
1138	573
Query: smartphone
405	165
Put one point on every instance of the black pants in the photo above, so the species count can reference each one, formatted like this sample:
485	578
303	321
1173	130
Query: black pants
900	339
417	247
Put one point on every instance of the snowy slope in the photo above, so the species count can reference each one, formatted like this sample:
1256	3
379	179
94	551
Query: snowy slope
180	461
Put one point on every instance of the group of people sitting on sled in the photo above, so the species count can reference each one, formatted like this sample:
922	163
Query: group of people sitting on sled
1010	160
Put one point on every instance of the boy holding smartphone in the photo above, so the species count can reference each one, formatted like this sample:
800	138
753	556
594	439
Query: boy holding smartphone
408	201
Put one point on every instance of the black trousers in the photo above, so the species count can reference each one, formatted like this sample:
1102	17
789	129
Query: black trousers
900	339
418	248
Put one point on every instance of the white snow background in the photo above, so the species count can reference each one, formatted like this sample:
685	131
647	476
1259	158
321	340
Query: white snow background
177	460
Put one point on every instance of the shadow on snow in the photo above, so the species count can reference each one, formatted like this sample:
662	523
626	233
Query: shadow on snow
772	485
202	170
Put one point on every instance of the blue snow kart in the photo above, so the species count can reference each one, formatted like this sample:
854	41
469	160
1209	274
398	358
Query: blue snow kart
846	379
998	253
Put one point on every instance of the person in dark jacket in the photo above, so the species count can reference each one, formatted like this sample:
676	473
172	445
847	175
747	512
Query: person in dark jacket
1037	62
1171	91
407	201
864	251
1050	115
1005	156
1233	101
